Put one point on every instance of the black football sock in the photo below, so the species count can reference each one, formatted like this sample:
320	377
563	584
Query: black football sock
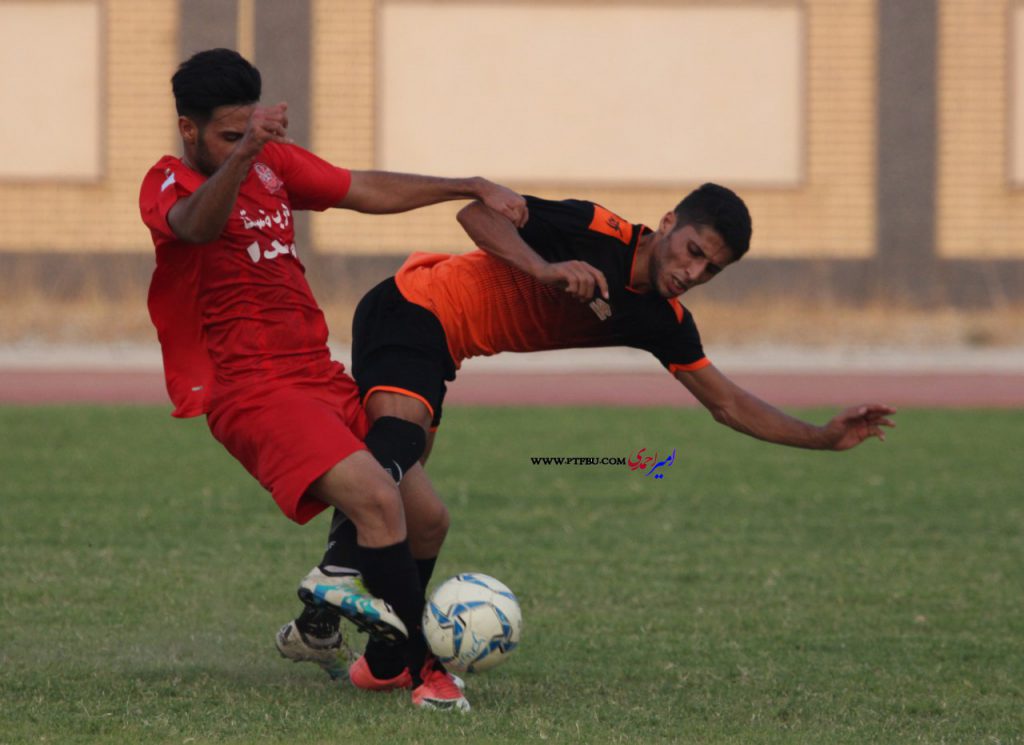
390	573
341	556
425	567
386	660
323	621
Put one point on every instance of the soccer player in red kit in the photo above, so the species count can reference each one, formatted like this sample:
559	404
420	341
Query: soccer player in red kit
245	343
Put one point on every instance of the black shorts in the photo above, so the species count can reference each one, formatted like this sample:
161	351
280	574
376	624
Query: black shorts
400	346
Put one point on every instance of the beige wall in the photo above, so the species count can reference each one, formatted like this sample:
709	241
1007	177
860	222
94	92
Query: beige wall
1016	89
138	119
52	58
640	94
829	214
980	211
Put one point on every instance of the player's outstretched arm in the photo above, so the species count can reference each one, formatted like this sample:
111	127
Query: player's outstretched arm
384	192
201	216
732	405
493	233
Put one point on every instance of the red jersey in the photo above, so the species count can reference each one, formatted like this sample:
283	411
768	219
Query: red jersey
238	310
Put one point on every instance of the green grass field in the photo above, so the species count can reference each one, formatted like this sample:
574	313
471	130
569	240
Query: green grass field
754	595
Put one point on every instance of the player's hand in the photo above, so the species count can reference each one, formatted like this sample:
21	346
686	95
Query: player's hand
267	124
852	426
578	278
504	201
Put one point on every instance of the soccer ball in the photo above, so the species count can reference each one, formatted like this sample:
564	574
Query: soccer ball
472	622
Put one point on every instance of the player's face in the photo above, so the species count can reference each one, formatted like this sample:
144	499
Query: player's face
208	146
685	257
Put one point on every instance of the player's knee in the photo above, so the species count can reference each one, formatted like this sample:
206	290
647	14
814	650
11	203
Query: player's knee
397	444
378	509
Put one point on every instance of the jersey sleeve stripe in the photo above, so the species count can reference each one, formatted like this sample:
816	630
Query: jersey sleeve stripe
690	366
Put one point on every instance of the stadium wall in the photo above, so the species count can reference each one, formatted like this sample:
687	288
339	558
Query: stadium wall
905	180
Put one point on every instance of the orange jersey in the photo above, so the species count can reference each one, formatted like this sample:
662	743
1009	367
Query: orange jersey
486	306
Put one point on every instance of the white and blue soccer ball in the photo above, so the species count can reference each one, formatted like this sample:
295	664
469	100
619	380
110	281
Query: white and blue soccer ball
472	622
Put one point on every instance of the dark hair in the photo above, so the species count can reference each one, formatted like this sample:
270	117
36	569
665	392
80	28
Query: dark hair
216	77
717	207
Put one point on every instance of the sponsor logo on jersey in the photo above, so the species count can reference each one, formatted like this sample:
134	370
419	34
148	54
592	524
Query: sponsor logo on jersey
609	223
281	218
268	178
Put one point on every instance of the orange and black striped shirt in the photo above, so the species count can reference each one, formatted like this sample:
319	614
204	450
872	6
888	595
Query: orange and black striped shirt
486	306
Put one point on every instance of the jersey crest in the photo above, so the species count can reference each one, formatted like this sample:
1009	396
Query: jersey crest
601	309
268	178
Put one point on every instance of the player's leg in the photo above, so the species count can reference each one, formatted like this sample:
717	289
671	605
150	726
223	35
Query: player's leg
431	436
364	488
426	516
383	666
427	520
396	437
315	635
401	356
396	444
298	443
389	601
372	501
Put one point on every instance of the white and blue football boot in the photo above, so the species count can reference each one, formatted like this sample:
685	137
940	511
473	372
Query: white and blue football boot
349	596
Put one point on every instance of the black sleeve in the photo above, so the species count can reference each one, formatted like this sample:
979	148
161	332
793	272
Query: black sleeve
555	229
675	342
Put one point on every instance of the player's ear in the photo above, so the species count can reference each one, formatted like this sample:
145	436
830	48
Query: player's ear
668	223
188	129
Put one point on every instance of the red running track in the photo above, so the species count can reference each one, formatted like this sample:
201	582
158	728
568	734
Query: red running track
1004	390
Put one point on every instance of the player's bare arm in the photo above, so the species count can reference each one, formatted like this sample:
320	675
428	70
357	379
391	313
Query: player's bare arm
232	139
384	192
496	235
744	412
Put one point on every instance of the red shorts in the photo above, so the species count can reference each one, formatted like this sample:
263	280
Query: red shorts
289	436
